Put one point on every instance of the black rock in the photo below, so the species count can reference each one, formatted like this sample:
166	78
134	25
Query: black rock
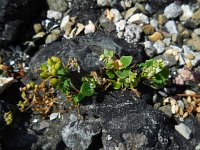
15	18
121	120
85	10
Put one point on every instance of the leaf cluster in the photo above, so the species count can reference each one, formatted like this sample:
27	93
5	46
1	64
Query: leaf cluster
119	73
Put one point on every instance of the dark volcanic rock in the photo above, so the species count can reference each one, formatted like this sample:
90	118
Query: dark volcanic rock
120	120
86	49
85	10
15	18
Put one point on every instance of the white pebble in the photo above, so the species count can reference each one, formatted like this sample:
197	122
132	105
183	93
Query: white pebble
51	14
138	19
64	22
183	130
120	25
89	28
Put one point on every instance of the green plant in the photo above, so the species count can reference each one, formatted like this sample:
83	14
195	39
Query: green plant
8	117
155	71
120	73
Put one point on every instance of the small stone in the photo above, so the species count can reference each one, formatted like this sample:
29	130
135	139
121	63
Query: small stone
175	38
148	8
128	3
183	130
71	35
108	26
51	14
130	12
181	59
185	74
197	31
190	56
190	92
120	25
37	27
138	19
116	15
53	116
185	34
196	15
148	29
172	11
64	22
51	38
58	5
140	7
80	28
167	110
187	12
147	44
195	43
132	33
176	48
103	3
159	46
174	109
171	27
120	34
180	28
90	28
68	29
73	19
155	37
5	82
109	15
157	105
154	23
167	41
179	80
169	51
188	63
162	19
181	104
39	35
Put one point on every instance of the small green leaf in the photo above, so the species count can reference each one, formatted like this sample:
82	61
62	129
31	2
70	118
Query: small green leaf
50	62
122	73
43	67
110	74
108	53
109	65
66	83
44	75
23	95
78	98
126	61
161	78
116	85
86	89
61	72
53	82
